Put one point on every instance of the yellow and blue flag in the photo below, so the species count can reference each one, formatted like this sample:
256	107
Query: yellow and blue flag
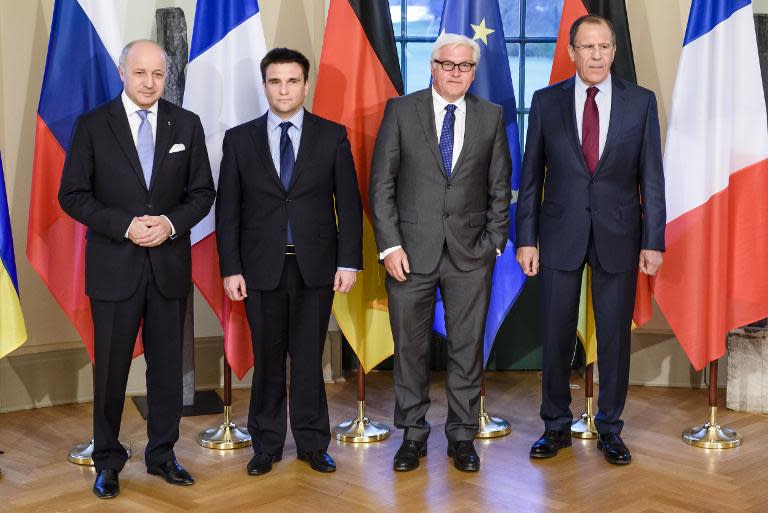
481	20
13	333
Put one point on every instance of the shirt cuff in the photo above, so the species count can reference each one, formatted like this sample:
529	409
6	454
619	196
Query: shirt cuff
350	269
128	230
173	229
388	251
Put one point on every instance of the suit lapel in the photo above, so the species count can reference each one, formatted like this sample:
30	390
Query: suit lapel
261	144
118	122
471	126
568	111
166	124
616	122
306	145
426	114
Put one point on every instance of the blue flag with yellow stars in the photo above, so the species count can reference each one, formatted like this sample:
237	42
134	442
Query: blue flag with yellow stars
481	20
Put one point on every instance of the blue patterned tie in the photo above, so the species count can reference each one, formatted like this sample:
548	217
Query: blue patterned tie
446	138
287	161
145	145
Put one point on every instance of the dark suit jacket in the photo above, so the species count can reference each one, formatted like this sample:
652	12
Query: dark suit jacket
102	186
414	205
622	203
253	207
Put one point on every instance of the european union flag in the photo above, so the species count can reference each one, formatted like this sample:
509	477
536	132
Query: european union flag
481	21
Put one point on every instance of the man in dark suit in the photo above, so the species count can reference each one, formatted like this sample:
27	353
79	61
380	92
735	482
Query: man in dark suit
596	138
137	175
439	195
289	229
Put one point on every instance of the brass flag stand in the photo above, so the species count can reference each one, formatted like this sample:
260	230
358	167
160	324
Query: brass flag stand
585	427
228	435
711	435
360	429
490	427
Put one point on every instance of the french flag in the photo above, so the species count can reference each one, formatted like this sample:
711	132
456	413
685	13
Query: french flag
80	74
224	87
715	274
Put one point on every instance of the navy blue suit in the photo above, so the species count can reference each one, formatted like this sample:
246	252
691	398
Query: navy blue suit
603	219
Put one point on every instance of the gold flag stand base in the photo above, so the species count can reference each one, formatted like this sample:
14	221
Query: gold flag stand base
226	436
491	427
81	453
360	429
711	435
585	427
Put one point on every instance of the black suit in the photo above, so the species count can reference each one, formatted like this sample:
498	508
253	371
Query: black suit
603	219
103	187
289	297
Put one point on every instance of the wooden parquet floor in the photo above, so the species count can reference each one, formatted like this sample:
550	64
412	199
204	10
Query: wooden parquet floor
666	476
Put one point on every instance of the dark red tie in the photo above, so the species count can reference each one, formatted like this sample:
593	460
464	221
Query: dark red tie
590	130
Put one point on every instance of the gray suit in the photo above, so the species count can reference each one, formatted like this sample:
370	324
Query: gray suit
450	230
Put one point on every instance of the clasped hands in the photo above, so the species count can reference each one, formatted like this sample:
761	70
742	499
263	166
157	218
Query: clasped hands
149	231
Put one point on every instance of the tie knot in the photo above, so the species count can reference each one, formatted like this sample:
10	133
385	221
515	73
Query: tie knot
285	125
143	114
450	108
592	92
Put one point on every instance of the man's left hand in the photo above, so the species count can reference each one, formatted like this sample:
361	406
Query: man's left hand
159	230
344	281
650	261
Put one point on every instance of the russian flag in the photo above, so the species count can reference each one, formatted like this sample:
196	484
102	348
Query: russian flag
80	74
715	274
13	332
224	87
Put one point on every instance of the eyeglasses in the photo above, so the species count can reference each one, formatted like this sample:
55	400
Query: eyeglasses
464	67
603	48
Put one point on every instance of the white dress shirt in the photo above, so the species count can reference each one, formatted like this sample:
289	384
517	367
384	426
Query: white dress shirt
603	100
134	120
438	105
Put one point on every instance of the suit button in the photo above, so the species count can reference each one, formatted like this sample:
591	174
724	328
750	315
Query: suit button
589	209
148	205
288	201
445	215
282	228
448	186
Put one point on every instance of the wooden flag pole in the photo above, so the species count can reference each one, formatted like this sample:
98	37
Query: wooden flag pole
360	429
711	435
228	435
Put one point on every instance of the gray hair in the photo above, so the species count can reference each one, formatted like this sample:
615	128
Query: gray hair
448	39
127	48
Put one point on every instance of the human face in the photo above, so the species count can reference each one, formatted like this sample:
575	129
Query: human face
143	74
286	88
452	85
593	64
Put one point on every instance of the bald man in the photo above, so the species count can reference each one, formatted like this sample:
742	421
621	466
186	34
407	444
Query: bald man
137	176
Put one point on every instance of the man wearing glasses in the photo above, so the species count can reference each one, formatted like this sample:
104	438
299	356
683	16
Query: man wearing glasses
596	138
439	195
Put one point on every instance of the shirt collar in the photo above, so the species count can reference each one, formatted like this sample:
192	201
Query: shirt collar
604	87
273	120
131	107
439	103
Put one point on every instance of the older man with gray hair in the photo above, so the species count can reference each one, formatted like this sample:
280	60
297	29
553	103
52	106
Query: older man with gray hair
439	195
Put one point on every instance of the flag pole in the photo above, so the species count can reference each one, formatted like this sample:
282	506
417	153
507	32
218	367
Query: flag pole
490	427
360	429
585	426
228	435
81	454
711	435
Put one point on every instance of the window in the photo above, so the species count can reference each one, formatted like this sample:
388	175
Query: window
530	30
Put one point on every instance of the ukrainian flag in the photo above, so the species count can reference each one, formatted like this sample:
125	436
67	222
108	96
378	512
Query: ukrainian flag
13	333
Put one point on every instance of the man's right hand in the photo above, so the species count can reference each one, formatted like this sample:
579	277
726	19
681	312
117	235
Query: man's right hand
528	258
396	264
234	287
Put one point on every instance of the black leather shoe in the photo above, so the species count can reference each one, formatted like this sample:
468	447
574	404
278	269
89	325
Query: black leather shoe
549	443
261	463
407	456
464	456
614	449
106	485
318	459
173	473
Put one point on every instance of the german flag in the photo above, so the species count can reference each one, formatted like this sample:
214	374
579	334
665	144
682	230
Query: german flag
358	73
624	68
